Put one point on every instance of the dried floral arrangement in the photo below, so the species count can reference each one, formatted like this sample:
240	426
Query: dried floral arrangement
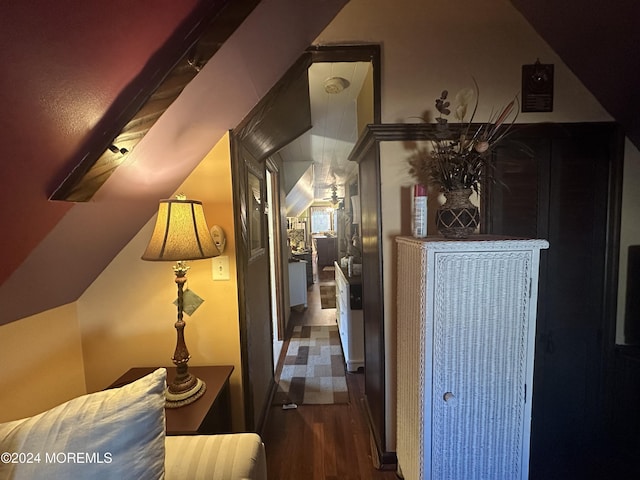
459	156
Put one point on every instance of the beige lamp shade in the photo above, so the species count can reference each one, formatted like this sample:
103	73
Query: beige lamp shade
181	233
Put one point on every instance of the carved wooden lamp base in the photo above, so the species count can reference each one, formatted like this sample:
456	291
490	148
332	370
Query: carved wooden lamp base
185	388
176	397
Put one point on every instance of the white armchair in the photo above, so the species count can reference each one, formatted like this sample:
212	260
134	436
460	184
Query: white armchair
120	434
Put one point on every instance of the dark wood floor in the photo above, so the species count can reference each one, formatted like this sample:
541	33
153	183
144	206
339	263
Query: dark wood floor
316	442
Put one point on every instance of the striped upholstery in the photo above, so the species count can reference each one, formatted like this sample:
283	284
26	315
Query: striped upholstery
116	433
237	456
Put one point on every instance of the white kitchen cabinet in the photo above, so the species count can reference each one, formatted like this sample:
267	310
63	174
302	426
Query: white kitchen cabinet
466	317
298	283
349	318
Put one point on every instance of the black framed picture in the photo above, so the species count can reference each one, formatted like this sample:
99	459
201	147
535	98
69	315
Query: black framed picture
537	87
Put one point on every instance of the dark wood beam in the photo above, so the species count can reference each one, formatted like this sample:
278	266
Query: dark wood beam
140	105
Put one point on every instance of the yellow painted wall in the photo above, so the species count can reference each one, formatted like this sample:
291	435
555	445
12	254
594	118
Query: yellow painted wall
41	363
127	316
364	103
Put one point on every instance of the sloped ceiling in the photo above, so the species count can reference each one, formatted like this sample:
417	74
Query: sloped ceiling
67	65
322	152
157	86
64	66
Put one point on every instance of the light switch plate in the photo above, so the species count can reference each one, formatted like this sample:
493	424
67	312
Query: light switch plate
220	267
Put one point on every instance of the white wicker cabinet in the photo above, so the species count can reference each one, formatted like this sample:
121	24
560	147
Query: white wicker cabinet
465	333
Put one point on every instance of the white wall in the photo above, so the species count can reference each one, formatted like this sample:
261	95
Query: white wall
431	45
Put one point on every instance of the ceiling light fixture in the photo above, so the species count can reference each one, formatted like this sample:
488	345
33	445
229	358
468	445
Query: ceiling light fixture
335	85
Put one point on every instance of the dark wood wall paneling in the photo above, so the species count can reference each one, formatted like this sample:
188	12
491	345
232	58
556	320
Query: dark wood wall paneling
253	287
564	184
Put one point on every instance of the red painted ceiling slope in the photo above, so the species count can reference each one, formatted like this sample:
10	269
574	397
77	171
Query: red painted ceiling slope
64	65
55	252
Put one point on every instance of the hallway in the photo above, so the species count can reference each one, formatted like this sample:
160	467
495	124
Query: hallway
316	442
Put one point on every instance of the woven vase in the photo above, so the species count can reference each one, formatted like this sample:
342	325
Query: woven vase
457	217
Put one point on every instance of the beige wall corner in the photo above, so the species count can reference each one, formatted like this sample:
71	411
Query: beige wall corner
41	358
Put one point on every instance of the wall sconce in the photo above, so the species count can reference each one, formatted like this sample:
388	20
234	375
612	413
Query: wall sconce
219	238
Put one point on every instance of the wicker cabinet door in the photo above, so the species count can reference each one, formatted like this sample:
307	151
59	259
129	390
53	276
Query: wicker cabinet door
465	341
480	308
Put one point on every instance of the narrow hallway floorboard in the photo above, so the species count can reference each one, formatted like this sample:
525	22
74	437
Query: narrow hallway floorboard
321	442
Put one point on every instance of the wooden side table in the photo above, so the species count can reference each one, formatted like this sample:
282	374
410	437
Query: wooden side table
210	414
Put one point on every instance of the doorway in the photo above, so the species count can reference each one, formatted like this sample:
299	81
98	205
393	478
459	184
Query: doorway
258	144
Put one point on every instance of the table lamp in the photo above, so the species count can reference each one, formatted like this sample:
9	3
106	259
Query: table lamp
180	234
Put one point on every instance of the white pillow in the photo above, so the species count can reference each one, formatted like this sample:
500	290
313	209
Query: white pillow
116	433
